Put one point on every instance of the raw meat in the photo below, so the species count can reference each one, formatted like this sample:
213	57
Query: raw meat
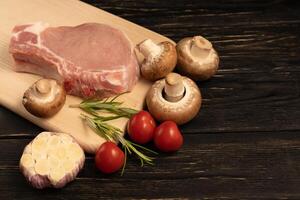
92	60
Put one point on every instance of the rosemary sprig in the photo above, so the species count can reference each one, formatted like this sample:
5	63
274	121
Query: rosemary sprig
100	126
107	105
112	133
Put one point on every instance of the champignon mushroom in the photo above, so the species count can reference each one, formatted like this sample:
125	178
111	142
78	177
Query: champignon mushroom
160	59
197	58
175	98
44	98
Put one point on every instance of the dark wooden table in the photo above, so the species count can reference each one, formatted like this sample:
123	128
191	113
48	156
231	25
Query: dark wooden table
245	142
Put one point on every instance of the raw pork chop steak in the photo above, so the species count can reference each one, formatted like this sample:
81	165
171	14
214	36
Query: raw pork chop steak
92	60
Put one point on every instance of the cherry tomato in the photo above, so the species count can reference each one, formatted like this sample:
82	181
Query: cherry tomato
141	127
167	137
109	158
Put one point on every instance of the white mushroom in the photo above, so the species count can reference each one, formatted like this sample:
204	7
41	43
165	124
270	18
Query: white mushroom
197	58
175	98
51	160
160	59
44	98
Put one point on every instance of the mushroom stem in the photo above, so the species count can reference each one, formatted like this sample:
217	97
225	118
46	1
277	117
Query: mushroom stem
174	88
200	47
149	48
43	86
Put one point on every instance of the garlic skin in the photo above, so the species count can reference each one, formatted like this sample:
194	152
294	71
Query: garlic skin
51	160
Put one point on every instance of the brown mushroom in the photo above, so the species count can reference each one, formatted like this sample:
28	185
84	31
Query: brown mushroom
175	98
197	58
44	98
160	59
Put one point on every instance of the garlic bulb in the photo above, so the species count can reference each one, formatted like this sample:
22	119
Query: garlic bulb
51	160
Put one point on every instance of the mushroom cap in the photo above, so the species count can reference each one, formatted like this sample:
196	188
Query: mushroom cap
44	98
199	65
158	67
180	111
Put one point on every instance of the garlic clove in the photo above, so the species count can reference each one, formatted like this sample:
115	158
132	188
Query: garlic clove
51	160
42	167
75	152
56	174
27	160
68	165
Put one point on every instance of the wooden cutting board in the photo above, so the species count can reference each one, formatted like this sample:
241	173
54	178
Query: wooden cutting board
56	13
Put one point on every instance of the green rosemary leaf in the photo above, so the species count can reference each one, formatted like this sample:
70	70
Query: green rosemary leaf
113	133
144	148
105	105
90	111
109	132
115	97
129	111
125	161
107	118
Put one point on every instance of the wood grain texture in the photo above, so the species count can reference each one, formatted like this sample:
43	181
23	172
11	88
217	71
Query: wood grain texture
207	166
244	143
259	47
56	13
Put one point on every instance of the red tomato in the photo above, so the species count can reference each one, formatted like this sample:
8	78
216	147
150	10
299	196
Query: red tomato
167	137
109	158
141	127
